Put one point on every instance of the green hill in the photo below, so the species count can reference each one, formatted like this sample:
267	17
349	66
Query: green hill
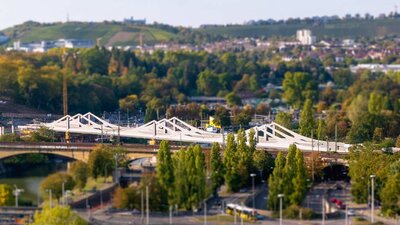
338	29
116	33
110	33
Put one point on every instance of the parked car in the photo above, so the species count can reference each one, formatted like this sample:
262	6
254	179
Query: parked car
351	212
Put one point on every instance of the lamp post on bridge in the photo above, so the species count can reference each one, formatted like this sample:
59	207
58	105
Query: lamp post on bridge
17	191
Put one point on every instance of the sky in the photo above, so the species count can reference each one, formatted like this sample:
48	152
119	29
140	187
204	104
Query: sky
183	12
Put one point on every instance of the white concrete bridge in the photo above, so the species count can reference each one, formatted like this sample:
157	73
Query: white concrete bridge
269	136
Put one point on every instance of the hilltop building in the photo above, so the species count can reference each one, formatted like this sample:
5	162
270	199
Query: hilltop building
135	22
305	37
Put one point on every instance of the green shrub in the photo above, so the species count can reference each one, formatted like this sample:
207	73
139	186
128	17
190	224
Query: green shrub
293	212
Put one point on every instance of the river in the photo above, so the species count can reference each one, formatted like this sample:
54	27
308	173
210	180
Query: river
30	179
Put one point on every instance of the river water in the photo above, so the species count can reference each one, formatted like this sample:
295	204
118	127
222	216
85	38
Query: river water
30	179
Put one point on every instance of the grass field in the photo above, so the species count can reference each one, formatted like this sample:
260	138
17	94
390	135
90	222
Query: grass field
110	34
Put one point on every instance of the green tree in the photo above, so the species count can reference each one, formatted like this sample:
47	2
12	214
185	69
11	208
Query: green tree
263	162
222	116
284	119
231	158
54	182
232	99
390	195
290	171
200	174
181	178
207	83
100	161
58	215
127	198
217	168
375	103
6	195
10	138
299	181
306	124
130	102
79	172
297	87
43	134
165	170
245	157
321	129
276	182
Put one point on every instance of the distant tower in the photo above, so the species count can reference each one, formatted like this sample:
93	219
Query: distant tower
395	9
67	17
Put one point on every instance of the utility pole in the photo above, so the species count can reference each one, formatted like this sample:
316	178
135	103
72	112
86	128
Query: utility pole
312	155
280	196
253	192
147	205
141	206
205	212
372	198
335	137
323	210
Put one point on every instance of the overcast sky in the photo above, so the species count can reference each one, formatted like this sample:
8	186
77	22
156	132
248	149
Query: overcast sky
183	12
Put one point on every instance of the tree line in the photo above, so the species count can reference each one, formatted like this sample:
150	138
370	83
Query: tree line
186	178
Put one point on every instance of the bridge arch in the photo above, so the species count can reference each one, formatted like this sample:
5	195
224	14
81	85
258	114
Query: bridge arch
336	171
75	155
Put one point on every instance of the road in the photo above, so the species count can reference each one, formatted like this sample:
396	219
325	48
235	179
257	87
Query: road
338	190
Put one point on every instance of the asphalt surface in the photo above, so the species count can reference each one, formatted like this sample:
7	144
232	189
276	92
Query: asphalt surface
338	190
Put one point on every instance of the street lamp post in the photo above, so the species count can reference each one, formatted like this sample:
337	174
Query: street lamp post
205	212
17	192
147	205
116	158
280	196
253	192
372	198
170	214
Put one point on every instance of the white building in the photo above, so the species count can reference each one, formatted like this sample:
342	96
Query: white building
305	37
376	68
44	46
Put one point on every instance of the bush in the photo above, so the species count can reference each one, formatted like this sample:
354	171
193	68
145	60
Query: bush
293	212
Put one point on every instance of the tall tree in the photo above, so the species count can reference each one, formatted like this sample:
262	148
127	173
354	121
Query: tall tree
264	163
299	181
231	158
307	119
375	103
290	171
181	178
284	119
165	170
245	157
276	182
200	173
217	168
79	172
100	161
